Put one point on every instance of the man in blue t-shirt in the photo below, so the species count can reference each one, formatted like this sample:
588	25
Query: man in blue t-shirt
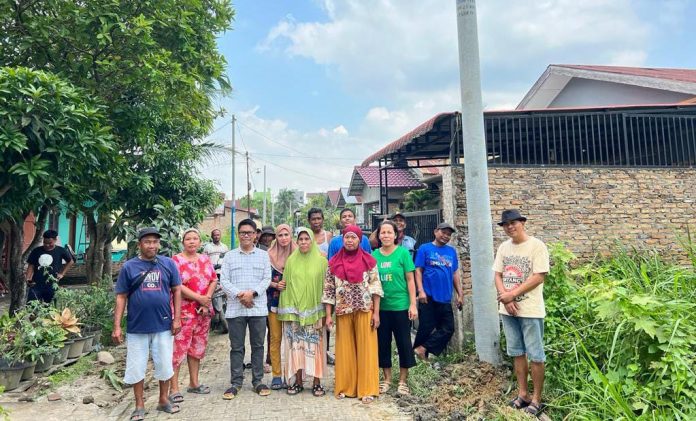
436	278
347	217
147	284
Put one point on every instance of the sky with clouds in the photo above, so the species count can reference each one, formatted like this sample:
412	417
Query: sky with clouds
321	84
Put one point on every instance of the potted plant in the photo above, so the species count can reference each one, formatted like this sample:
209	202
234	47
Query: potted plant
41	338
98	307
11	365
68	322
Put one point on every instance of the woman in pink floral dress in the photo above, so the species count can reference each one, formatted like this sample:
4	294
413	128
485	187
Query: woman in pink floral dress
198	282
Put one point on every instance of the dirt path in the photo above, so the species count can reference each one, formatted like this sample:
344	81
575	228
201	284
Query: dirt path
112	405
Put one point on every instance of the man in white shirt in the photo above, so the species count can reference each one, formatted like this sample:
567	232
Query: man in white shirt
520	266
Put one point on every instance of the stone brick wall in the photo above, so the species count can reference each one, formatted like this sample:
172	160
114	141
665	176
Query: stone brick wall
588	209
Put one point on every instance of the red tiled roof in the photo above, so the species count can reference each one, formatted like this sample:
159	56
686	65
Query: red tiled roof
405	139
682	75
396	177
334	196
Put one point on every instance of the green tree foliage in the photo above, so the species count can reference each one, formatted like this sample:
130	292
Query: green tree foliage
422	199
55	143
286	204
155	66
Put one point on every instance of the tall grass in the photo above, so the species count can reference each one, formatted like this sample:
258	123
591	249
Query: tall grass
621	335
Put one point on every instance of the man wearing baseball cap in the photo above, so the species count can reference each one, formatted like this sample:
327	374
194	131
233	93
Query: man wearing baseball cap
520	267
436	277
147	284
45	266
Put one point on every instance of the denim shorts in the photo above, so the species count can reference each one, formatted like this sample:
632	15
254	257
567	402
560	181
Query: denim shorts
524	335
139	346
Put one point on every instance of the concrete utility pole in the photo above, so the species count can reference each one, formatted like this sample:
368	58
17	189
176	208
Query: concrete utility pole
478	207
272	211
264	195
234	202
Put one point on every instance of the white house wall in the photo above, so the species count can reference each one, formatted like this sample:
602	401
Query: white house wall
584	93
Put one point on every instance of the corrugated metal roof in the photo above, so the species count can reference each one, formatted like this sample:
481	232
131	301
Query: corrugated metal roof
406	139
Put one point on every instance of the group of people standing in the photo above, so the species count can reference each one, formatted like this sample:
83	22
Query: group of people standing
299	289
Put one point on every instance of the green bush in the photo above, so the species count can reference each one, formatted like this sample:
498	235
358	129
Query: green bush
621	335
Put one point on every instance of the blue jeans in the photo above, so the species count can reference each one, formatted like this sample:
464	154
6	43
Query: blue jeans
524	335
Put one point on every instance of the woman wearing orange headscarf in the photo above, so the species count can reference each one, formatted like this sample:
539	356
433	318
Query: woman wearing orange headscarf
352	286
278	253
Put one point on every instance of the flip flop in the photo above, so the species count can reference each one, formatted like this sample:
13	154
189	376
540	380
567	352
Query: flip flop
534	409
201	389
403	389
277	383
519	403
176	397
384	387
169	408
262	390
230	393
366	400
138	414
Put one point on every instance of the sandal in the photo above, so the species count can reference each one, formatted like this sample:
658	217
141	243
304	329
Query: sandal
262	390
138	414
403	389
201	389
519	403
230	393
169	408
276	383
176	397
367	399
295	389
318	390
384	387
341	396
535	409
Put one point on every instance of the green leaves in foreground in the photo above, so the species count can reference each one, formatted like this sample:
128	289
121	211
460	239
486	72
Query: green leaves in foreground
621	335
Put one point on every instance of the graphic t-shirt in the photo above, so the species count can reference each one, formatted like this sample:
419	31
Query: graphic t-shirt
149	309
337	242
439	264
197	277
392	273
47	263
517	262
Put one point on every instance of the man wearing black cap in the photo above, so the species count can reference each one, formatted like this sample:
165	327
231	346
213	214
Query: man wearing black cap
436	278
45	266
266	237
520	267
147	284
406	241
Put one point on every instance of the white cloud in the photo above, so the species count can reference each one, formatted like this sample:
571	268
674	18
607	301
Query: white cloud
340	130
315	160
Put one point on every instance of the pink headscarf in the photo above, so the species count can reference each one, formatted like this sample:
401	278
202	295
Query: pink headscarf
279	254
350	265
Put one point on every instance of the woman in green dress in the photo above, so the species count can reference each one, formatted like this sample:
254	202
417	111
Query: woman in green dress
302	313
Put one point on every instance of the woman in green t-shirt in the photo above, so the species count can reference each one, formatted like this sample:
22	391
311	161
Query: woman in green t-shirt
398	306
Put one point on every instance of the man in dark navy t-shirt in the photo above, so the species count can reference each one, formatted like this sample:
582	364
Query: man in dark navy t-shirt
147	284
436	277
